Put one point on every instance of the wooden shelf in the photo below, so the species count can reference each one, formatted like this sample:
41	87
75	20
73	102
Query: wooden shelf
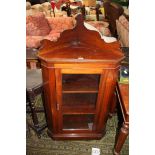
79	103
80	83
74	111
78	122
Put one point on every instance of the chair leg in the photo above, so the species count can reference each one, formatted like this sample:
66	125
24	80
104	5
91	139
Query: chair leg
31	98
36	127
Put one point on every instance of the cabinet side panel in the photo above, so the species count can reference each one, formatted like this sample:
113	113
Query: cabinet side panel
50	100
109	83
113	99
99	98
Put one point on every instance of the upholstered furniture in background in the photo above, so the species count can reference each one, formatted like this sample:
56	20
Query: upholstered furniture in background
101	26
39	27
44	8
105	38
122	25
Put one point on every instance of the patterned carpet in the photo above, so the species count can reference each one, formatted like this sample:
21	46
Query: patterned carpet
46	146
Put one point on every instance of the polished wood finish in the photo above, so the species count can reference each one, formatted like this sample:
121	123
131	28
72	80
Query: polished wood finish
79	73
123	98
113	109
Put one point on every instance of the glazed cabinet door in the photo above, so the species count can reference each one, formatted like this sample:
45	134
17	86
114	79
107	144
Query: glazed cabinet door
78	100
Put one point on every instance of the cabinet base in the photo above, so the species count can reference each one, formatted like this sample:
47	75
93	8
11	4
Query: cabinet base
76	136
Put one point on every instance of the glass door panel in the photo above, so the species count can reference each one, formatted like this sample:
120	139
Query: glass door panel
79	99
84	122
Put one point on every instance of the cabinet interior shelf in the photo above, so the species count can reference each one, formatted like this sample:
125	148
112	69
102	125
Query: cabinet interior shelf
79	103
74	111
80	83
78	121
79	91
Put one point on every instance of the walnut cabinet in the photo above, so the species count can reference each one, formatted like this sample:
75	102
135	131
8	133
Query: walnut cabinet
79	74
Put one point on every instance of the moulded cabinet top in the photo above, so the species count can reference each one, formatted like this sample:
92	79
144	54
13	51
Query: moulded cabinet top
80	45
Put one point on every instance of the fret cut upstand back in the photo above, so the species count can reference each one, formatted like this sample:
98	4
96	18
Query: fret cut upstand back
79	74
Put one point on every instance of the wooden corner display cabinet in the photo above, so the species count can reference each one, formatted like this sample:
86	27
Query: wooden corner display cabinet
79	73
